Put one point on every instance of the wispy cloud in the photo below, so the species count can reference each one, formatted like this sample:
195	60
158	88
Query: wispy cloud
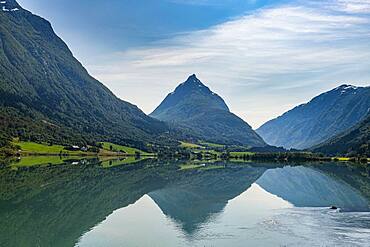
262	63
355	6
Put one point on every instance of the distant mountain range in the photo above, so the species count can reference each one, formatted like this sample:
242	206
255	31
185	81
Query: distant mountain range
47	95
205	115
324	117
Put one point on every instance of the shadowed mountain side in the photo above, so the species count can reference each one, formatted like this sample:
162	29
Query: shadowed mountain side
192	200
353	142
47	95
309	187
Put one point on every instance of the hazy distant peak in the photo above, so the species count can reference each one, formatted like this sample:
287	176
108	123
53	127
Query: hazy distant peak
325	116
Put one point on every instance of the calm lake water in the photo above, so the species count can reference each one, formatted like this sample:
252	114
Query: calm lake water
150	203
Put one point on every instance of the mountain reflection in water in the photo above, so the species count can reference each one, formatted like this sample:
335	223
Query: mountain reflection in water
153	203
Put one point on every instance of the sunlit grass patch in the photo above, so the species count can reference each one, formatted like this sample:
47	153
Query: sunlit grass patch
119	148
190	145
342	158
38	148
212	145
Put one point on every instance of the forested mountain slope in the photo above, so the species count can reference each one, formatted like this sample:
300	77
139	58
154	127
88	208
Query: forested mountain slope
46	94
353	142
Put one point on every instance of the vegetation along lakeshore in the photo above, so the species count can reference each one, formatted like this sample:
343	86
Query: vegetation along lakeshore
49	104
180	123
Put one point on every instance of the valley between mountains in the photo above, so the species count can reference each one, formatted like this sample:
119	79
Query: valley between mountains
49	104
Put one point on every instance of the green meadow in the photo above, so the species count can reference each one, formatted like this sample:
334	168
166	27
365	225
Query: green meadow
190	145
119	148
37	148
211	145
45	149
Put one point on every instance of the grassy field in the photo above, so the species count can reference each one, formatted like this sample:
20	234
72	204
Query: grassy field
45	149
125	149
342	159
345	159
190	145
37	148
212	145
205	152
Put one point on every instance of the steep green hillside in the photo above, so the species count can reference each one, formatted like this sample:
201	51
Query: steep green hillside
46	94
353	142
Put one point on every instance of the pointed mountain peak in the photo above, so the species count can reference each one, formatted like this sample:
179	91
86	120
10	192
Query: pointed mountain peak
193	81
192	93
205	116
195	91
193	77
192	84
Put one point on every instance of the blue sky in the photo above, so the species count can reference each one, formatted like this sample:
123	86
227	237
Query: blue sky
113	25
264	57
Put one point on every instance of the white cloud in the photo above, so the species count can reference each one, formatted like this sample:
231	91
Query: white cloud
262	64
355	6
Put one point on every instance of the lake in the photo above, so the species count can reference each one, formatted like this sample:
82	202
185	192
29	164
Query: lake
90	202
